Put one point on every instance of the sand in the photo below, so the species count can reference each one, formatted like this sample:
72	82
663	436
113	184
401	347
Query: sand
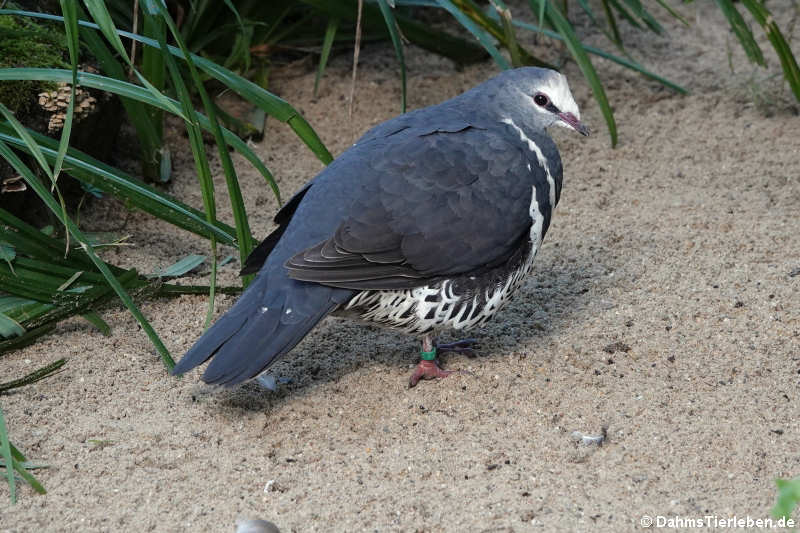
662	313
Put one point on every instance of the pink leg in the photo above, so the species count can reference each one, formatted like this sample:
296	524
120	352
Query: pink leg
428	368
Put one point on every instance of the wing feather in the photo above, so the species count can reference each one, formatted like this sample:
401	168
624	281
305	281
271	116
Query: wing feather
433	205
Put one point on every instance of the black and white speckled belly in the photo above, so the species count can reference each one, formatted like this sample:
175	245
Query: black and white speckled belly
459	303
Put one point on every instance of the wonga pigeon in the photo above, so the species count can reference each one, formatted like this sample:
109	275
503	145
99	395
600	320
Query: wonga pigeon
428	222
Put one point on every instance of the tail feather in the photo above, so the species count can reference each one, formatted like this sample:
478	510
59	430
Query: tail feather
261	327
223	329
263	340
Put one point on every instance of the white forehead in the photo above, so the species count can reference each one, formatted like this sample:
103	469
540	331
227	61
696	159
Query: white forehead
556	88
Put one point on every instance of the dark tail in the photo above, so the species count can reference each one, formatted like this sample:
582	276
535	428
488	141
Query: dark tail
261	327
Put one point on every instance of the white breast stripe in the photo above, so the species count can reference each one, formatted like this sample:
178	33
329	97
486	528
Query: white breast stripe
532	146
537	219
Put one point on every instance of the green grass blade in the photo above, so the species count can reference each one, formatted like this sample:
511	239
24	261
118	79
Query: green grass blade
637	7
742	31
179	268
10	327
26	237
244	39
99	12
69	9
633	65
33	377
37	186
616	37
508	29
460	50
153	9
141	195
21	465
97	9
673	12
397	42
33	147
97	321
584	5
21	309
167	289
270	103
478	32
788	497
625	14
541	14
29	338
791	71
579	54
27	476
20	129
149	132
234	191
131	91
154	69
327	43
5	453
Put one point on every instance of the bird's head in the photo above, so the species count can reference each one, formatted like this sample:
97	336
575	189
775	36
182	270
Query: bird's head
540	95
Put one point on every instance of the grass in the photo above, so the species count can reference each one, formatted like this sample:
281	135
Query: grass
46	278
788	498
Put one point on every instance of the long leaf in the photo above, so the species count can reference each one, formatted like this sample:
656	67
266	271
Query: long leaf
23	133
791	71
584	63
477	32
394	34
231	180
5	453
460	50
642	13
36	185
154	70
97	321
188	263
68	8
742	31
130	90
114	181
28	338
508	28
327	43
615	35
102	17
271	104
633	65
673	12
33	377
10	327
153	9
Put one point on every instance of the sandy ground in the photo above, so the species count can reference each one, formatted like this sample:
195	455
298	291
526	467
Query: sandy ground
663	311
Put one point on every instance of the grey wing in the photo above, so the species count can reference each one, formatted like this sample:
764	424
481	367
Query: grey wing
435	205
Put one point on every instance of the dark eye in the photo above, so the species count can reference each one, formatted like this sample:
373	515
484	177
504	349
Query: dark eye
541	100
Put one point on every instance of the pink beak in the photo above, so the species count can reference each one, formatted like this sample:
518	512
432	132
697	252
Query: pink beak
570	119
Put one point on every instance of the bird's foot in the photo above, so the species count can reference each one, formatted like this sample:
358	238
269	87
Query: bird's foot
429	369
270	382
465	346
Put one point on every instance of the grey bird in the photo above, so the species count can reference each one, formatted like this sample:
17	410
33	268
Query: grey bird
428	222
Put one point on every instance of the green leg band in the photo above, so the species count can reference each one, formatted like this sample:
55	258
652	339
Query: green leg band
428	356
